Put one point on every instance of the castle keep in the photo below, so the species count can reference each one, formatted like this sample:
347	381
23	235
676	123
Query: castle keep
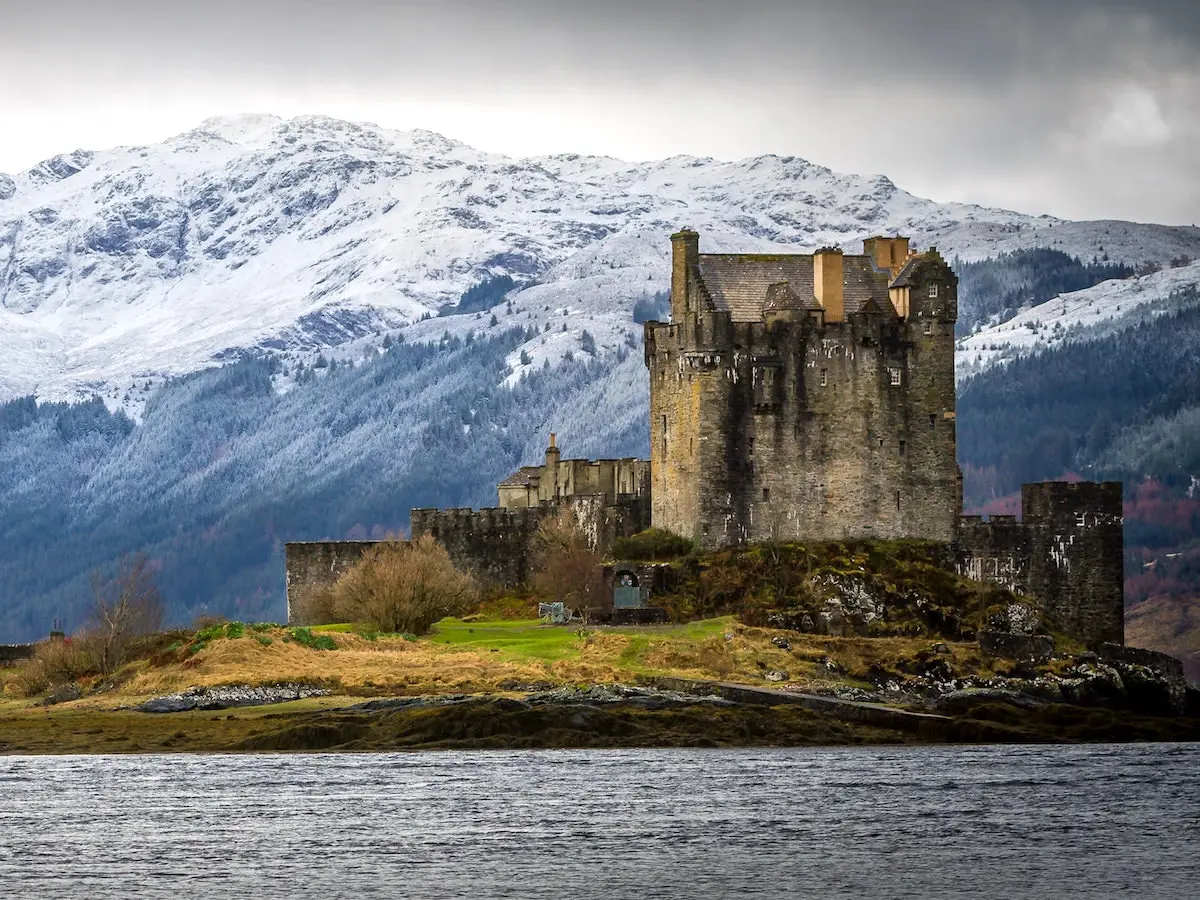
805	397
796	397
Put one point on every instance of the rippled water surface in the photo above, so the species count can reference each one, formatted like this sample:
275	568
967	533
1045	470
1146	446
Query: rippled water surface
1094	821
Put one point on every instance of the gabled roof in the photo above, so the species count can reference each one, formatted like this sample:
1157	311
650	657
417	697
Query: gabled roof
738	282
526	476
904	278
874	307
781	296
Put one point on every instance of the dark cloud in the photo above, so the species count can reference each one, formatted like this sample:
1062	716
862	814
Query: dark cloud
1079	107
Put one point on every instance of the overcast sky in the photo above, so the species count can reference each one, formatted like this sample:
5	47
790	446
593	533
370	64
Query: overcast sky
1078	108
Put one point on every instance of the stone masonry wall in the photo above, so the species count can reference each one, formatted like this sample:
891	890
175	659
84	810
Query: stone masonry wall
1067	553
794	430
10	653
1077	564
314	565
494	545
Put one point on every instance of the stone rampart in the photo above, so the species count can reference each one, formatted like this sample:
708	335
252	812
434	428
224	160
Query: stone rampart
494	545
10	653
1067	553
313	566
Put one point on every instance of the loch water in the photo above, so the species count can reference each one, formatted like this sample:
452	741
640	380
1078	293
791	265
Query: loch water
979	821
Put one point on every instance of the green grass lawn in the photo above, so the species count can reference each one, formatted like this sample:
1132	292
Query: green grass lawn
531	639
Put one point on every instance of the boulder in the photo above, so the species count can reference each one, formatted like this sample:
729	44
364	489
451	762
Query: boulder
1034	648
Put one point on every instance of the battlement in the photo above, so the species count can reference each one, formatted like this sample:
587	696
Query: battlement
1063	501
1067	552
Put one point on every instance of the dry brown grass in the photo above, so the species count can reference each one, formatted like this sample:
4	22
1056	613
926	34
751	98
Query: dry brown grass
358	666
53	663
398	667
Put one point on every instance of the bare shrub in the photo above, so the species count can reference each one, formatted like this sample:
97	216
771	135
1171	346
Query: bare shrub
126	607
316	607
53	663
403	586
565	566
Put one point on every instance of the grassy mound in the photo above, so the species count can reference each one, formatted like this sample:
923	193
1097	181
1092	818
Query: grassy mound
866	588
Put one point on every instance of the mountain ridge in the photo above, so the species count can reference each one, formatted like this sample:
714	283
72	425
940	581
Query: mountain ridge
259	233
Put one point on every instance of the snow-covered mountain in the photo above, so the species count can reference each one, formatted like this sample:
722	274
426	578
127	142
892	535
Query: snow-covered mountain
1090	314
130	264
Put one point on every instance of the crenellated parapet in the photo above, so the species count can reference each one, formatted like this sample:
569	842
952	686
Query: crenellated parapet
1067	552
792	398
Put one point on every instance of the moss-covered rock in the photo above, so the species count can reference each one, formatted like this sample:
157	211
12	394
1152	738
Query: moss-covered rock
863	588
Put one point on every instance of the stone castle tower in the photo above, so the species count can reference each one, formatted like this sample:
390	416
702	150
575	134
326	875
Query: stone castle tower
805	396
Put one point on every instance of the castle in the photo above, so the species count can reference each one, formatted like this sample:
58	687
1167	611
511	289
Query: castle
797	397
805	397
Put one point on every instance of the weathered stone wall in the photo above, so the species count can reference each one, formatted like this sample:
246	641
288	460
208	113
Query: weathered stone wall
10	653
494	545
1067	552
1077	566
998	551
312	566
792	428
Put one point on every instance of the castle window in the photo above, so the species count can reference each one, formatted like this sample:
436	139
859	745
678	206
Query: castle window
766	493
903	446
933	292
751	446
897	501
824	378
929	328
932	421
893	375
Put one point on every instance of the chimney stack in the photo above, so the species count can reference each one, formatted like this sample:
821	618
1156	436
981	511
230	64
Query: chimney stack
685	254
827	283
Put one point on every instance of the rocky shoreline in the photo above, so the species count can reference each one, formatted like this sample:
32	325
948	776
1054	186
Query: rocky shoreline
230	697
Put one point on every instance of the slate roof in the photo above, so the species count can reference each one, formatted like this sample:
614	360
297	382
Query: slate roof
523	477
739	282
904	278
781	296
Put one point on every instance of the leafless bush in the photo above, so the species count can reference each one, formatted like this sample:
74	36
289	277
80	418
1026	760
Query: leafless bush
403	586
53	663
126	606
565	567
315	607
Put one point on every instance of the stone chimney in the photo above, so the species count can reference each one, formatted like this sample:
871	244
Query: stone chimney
827	283
685	254
887	253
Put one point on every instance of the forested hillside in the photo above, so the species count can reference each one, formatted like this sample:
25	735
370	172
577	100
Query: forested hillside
224	469
1124	406
993	290
227	464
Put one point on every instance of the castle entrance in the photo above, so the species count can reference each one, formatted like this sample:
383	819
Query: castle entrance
627	593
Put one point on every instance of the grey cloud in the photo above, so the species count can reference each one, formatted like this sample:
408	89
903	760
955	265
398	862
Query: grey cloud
970	40
1086	107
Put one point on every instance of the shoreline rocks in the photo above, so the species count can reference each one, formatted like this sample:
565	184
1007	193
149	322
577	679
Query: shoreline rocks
229	696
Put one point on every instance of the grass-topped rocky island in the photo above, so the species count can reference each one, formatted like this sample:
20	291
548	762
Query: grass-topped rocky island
840	643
